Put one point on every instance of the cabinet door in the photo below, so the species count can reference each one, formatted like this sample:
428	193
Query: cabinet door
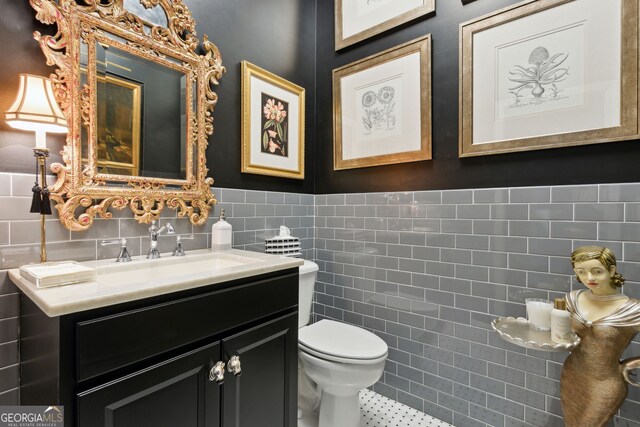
173	393
265	394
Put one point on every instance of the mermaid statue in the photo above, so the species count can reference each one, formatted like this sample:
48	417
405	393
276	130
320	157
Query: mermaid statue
593	383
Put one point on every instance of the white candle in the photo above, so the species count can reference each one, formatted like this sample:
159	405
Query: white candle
539	313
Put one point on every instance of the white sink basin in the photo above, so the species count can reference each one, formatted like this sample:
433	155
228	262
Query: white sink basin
168	267
142	278
168	264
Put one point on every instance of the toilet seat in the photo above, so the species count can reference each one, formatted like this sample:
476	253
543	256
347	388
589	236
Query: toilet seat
340	342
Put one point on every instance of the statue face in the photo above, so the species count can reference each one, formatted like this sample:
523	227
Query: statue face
595	276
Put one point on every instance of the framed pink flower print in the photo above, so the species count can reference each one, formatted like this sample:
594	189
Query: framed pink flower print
272	124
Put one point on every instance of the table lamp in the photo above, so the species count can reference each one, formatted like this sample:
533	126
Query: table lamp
35	109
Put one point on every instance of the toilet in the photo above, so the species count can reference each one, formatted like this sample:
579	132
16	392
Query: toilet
336	361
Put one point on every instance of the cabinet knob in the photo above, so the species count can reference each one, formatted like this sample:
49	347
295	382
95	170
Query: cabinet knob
234	365
217	373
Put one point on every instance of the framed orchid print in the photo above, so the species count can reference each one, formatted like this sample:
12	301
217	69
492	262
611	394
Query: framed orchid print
357	20
272	124
382	108
542	74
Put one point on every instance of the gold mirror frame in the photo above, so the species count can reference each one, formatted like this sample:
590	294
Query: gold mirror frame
81	186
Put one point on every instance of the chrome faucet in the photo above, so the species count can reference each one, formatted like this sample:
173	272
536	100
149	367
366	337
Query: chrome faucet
153	242
123	255
178	251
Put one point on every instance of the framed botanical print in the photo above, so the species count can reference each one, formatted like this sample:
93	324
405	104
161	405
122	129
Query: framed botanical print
272	124
382	108
357	20
544	74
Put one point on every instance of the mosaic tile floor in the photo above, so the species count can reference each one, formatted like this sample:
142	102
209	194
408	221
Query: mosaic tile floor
379	411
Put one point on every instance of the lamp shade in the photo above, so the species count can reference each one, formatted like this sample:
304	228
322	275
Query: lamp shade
35	108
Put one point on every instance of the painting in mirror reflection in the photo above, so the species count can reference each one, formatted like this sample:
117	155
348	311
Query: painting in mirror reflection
118	130
141	108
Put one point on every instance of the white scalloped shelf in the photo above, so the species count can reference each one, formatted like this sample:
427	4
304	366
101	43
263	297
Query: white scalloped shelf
518	332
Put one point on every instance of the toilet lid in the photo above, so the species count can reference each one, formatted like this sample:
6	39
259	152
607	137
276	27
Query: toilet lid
340	340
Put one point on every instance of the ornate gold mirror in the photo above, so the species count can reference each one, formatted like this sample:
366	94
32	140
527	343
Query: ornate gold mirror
138	100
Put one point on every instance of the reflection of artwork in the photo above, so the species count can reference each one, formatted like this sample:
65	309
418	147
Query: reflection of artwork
377	110
544	71
275	123
118	133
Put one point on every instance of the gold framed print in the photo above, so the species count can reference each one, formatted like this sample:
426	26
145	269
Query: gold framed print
542	74
272	124
118	130
357	20
382	108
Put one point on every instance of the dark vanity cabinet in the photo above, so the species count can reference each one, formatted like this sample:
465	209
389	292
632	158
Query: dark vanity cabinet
223	355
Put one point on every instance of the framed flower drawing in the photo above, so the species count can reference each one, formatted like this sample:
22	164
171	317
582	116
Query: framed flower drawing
357	20
544	74
382	108
272	124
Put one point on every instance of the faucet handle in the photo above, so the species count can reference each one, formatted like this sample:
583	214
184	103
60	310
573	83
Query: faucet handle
155	230
123	255
170	229
113	242
178	251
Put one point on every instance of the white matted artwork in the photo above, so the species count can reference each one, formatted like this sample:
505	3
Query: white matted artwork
543	74
272	124
357	20
382	107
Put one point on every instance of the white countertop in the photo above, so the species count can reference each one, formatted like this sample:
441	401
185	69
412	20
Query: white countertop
142	278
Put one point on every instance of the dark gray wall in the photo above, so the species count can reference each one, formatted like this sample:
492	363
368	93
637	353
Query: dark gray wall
277	35
280	36
599	163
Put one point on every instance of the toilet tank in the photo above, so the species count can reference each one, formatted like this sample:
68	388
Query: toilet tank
306	284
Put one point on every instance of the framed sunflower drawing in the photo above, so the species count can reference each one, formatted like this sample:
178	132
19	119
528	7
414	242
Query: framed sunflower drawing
272	124
382	108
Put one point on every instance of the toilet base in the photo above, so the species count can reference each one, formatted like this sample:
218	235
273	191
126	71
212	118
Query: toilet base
308	419
308	392
339	385
343	411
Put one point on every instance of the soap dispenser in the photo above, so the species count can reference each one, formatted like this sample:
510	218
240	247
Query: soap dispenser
221	233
